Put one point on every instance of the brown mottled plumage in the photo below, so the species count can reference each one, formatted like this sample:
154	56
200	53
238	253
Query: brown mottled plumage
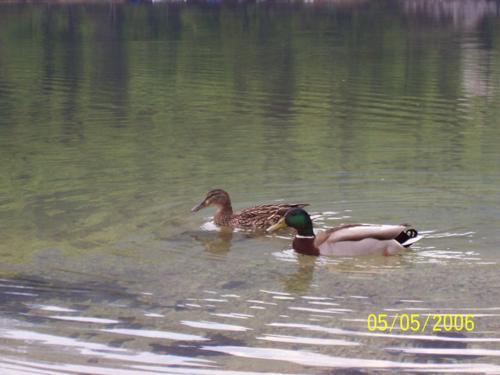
253	218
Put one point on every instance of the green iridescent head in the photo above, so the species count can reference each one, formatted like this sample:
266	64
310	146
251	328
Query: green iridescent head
296	218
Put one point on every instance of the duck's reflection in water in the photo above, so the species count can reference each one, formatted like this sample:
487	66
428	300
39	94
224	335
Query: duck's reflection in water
367	265
218	243
300	280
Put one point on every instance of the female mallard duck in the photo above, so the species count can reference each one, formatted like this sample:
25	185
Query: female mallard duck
345	240
254	218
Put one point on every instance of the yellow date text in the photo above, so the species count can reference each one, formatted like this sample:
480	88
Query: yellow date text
420	323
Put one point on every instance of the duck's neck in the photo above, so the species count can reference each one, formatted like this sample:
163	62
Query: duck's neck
304	244
224	214
306	230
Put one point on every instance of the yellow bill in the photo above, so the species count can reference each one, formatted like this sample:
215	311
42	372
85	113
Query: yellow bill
281	224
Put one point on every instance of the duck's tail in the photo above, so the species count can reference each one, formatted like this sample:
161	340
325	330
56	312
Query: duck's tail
408	237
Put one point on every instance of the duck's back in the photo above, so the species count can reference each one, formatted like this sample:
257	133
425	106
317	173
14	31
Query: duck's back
263	216
357	232
360	239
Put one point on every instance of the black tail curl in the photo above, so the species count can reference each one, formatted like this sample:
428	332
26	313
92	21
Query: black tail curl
406	235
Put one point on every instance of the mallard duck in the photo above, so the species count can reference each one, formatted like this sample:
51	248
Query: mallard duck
253	218
345	240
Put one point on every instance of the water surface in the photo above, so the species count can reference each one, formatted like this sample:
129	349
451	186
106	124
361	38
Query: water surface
116	119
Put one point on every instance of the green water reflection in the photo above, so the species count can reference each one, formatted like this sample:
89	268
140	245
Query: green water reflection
110	110
115	119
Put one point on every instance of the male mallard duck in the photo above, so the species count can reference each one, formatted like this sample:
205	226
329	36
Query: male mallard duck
345	240
254	218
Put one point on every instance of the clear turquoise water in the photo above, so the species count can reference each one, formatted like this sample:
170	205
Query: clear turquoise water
116	119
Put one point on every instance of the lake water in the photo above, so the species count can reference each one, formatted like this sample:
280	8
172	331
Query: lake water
117	118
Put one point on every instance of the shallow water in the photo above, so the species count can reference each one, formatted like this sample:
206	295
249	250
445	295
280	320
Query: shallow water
115	120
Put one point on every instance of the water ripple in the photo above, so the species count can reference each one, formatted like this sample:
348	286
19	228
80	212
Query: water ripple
155	334
214	325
